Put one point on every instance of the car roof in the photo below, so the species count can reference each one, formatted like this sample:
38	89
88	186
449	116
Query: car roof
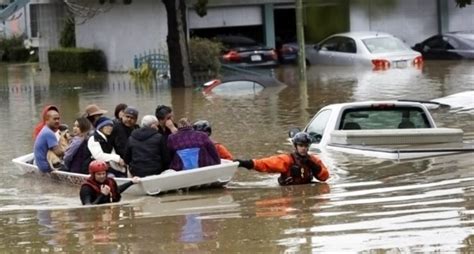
363	34
370	103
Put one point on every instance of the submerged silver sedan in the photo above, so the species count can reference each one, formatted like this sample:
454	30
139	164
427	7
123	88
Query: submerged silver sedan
374	49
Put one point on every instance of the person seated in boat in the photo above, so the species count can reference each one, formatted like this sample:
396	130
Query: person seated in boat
41	124
101	148
166	119
101	189
56	162
298	167
123	129
205	126
47	141
191	149
118	112
93	113
146	152
75	154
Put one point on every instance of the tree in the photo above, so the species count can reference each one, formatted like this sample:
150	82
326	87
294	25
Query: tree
177	45
463	3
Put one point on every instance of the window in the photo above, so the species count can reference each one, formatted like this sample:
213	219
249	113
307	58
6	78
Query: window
384	45
383	117
439	43
34	20
339	44
318	125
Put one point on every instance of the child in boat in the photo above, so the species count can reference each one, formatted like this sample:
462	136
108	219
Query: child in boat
298	167
205	126
100	189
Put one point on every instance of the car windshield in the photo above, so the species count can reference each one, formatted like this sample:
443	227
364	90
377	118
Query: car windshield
384	45
383	117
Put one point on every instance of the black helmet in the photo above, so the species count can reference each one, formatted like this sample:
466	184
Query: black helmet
203	125
302	138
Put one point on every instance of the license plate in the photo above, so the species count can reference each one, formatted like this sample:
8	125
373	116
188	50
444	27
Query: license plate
400	64
256	58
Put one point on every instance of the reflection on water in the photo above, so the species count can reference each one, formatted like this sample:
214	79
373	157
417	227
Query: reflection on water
368	205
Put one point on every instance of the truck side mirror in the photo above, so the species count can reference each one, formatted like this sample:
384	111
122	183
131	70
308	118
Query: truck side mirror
292	132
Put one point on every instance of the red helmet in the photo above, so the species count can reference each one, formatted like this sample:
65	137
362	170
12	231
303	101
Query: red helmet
97	166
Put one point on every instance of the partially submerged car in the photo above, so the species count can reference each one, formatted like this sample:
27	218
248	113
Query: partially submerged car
448	46
246	52
372	49
240	85
384	129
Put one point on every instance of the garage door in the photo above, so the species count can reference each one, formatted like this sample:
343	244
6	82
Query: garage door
228	16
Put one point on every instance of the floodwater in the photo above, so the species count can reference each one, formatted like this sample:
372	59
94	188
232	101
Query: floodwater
368	205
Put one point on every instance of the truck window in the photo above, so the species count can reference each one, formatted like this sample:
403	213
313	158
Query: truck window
318	124
368	118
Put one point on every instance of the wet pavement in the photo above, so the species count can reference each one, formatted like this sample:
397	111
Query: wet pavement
368	205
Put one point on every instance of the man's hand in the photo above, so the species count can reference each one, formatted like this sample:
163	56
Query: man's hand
285	180
135	179
104	189
248	164
121	162
170	125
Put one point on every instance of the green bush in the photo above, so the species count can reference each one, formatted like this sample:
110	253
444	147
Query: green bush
204	55
6	45
76	60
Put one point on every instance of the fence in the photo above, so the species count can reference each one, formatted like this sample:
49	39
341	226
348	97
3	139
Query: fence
157	59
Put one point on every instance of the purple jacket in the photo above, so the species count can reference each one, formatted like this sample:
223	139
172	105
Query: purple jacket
189	138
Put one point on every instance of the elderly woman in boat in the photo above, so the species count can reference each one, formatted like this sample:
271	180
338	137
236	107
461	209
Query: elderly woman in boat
101	148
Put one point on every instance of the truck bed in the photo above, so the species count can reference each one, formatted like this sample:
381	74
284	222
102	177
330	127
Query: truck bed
397	136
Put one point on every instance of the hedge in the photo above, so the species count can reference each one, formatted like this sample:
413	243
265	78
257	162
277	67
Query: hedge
76	60
204	55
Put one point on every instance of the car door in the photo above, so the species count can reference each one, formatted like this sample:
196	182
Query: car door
316	128
323	53
346	51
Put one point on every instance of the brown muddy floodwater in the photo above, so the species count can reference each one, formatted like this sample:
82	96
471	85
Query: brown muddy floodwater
368	205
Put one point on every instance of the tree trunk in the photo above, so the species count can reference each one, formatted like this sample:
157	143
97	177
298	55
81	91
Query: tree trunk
177	47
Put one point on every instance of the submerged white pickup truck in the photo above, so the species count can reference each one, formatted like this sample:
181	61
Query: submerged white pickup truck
385	129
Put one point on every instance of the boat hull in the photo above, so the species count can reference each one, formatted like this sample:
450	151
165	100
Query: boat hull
205	177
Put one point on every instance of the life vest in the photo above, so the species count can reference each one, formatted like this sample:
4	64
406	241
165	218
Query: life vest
299	172
114	195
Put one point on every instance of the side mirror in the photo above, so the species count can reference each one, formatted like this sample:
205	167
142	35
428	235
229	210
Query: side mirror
316	47
292	132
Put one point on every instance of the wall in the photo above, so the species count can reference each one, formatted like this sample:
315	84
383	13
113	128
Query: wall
411	21
460	18
50	23
125	30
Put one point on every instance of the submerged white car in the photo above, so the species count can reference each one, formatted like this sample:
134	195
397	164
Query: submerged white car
373	49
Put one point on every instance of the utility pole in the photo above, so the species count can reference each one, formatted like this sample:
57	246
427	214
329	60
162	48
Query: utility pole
301	42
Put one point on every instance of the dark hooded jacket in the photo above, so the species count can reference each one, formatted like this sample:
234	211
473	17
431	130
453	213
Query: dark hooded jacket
146	152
